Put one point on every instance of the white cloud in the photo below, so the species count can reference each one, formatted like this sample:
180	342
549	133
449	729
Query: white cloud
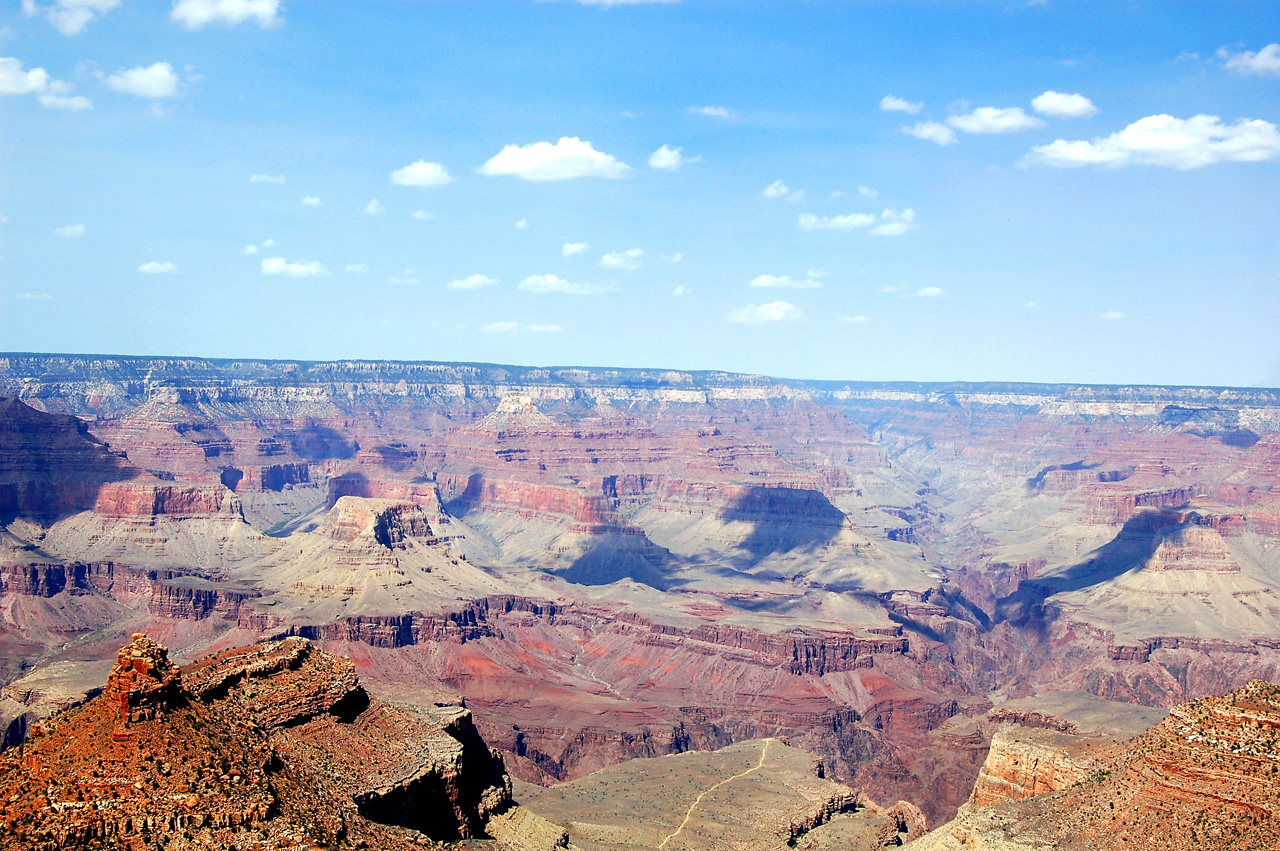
774	311
674	258
301	269
895	223
1060	105
69	232
990	119
276	179
472	282
522	224
1167	141
357	269
421	173
70	17
929	292
931	131
785	282
552	284
1265	61
818	273
544	329
312	201
713	111
75	103
251	249
542	161
1114	315
626	260
373	208
855	320
154	268
267	243
500	327
889	103
157	80
668	158
34	297
867	192
15	81
893	288
422	215
1031	305
572	248
850	221
777	189
197	14
680	291
407	279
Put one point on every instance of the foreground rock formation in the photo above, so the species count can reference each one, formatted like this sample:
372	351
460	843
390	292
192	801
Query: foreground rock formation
271	745
1206	777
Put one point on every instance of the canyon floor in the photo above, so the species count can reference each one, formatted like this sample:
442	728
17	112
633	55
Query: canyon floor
617	568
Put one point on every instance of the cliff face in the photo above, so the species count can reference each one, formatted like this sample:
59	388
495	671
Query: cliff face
260	743
1023	762
1206	776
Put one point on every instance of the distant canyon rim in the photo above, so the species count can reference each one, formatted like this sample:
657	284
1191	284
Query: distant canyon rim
611	564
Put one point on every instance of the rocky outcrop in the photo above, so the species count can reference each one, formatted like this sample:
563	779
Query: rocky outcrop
260	744
147	501
1027	761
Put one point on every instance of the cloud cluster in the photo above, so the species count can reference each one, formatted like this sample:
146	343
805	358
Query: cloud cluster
300	269
553	284
153	81
568	158
1163	140
53	94
774	311
421	173
69	17
198	14
888	223
990	119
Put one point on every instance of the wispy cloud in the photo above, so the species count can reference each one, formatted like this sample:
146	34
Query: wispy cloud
991	119
855	320
785	282
887	223
572	248
500	327
156	268
1114	315
374	208
929	292
712	111
895	223
472	282
422	215
1265	61
544	329
553	284
774	311
70	17
34	297
890	103
70	232
276	179
931	131
357	269
522	224
312	201
1163	140
568	158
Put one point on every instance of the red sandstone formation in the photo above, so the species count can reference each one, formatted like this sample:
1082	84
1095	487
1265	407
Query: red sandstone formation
274	743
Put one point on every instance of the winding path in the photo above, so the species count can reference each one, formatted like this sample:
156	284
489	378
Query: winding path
763	751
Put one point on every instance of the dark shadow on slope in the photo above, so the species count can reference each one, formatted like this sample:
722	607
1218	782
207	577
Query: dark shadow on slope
1137	541
785	519
606	562
50	465
1038	479
317	442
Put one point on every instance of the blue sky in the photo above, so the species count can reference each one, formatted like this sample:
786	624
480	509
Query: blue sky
1059	191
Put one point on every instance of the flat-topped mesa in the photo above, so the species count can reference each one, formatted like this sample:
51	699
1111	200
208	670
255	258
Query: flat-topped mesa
143	683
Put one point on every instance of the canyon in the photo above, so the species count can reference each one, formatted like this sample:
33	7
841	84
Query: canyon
612	566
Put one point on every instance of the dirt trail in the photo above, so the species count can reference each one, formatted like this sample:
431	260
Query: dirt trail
763	752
